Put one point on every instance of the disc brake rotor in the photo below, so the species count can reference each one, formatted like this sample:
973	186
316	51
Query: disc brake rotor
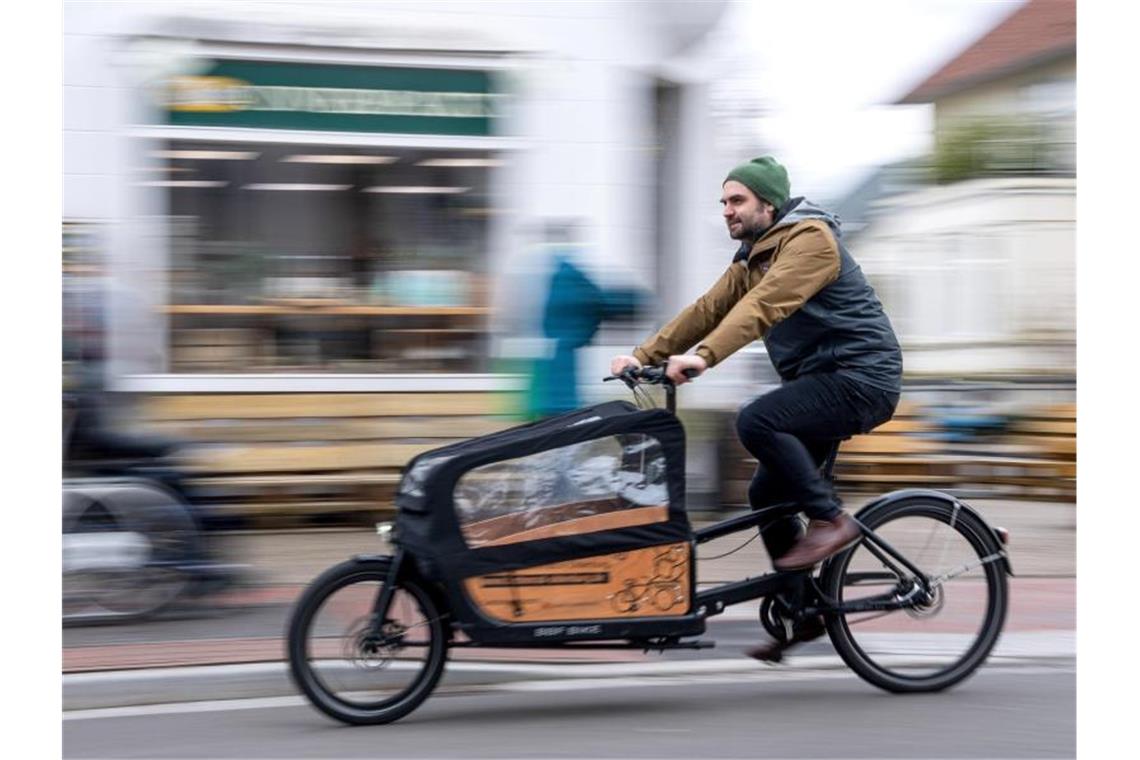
364	649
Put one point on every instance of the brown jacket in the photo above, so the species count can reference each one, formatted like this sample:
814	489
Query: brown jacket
785	268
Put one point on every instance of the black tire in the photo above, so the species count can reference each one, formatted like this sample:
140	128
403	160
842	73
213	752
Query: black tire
933	646
160	522
317	675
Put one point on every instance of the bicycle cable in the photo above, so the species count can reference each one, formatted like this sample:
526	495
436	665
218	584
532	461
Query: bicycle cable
734	551
644	400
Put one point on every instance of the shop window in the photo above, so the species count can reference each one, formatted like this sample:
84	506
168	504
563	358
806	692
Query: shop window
303	258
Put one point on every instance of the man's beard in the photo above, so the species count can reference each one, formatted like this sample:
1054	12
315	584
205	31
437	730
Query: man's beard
747	233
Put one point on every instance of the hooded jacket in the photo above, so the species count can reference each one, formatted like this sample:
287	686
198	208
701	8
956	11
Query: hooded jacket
799	289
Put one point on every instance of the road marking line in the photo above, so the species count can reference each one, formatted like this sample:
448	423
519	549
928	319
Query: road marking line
176	708
138	674
770	675
773	674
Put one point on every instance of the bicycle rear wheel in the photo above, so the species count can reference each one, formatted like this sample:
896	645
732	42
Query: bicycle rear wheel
347	671
943	636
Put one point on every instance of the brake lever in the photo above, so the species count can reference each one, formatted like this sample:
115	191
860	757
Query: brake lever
626	377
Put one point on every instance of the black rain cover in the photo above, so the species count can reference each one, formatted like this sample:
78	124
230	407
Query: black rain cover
427	524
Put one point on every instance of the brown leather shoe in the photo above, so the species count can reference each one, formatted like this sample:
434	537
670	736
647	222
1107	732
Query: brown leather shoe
773	651
823	538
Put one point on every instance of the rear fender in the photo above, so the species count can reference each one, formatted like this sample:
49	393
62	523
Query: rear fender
925	494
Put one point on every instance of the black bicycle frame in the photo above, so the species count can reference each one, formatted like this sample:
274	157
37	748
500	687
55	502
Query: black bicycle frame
713	601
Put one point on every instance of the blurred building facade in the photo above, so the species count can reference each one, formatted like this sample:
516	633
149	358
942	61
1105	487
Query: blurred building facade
300	197
1022	73
977	267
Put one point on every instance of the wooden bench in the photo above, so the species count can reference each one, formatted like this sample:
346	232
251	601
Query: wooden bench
292	457
1036	458
901	453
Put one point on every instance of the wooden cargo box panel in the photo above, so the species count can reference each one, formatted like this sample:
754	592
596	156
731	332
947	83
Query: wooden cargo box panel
651	582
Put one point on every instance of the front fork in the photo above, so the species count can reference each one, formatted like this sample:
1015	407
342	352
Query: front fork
384	598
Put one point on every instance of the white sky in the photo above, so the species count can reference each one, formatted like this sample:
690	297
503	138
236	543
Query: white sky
828	70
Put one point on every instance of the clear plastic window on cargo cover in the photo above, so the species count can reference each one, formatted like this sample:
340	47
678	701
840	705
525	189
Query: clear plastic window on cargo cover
602	484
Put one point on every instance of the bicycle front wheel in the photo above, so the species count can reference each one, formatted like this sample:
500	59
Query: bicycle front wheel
944	635
344	667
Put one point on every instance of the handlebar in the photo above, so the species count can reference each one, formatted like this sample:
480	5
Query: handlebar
652	375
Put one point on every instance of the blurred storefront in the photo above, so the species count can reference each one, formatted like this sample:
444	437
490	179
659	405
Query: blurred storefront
339	199
315	250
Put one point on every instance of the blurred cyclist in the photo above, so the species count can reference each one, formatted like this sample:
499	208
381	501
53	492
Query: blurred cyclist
94	446
792	283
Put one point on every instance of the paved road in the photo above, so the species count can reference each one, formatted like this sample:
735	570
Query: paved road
1003	711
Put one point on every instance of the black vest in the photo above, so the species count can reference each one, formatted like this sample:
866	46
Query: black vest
842	328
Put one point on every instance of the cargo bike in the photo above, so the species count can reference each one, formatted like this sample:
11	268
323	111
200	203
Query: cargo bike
572	533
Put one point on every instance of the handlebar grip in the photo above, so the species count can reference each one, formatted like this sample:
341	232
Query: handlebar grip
650	374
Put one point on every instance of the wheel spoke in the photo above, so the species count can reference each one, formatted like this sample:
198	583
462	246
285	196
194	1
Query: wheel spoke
953	613
938	580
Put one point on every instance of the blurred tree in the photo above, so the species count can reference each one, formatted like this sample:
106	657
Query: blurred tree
993	146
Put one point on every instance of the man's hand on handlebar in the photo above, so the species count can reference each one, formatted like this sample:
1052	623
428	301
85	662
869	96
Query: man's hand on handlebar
684	367
621	363
679	369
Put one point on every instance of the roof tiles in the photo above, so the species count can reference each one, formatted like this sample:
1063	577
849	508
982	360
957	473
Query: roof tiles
1036	32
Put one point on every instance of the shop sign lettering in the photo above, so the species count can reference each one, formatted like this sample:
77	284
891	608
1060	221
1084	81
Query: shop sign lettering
225	94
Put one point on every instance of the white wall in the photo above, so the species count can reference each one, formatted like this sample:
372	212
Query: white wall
99	100
978	276
1016	93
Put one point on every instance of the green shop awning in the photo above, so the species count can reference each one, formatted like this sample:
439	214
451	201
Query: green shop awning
340	98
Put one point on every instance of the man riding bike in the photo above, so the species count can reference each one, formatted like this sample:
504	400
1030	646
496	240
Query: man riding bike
792	283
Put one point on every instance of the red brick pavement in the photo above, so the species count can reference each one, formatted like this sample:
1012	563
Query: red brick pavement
1036	604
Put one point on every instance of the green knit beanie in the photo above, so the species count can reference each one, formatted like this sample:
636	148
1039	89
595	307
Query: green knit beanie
765	177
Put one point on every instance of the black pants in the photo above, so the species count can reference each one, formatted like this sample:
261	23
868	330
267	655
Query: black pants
790	431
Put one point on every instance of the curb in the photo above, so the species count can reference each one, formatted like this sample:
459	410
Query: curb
128	688
153	686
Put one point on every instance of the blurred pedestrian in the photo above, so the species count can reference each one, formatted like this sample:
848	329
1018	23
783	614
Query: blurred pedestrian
574	308
793	283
